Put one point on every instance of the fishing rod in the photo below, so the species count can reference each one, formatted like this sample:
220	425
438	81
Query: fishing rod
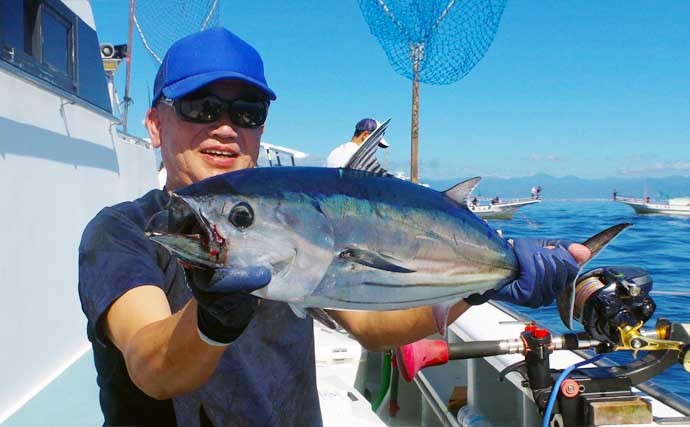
612	304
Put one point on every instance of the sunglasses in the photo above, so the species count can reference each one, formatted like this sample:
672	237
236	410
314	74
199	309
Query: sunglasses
209	108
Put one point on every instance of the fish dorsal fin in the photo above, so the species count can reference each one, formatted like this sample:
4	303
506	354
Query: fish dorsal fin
372	259
364	158
460	192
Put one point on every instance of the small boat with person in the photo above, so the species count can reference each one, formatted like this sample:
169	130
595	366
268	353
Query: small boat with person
646	205
499	209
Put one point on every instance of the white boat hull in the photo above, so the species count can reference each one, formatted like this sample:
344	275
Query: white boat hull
61	161
501	210
642	207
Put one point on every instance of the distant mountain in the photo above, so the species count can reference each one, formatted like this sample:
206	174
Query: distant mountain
572	187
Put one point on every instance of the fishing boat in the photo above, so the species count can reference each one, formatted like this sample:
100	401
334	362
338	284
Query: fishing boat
63	156
499	209
270	155
674	206
472	392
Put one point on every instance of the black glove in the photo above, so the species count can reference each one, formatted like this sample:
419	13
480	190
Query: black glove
225	305
544	273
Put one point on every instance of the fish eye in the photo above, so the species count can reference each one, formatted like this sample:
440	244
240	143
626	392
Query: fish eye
241	215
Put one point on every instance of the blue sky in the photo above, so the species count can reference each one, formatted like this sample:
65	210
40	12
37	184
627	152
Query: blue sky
592	89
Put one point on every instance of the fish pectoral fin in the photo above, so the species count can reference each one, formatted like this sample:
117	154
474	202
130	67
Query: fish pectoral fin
440	314
373	260
323	317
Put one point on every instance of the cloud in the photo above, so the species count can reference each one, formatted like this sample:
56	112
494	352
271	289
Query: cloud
534	157
657	167
633	158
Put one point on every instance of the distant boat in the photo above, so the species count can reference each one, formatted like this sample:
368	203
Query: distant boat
674	206
498	209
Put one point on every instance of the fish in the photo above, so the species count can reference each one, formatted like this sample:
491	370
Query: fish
341	239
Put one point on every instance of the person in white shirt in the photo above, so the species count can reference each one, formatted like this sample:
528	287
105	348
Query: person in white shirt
340	155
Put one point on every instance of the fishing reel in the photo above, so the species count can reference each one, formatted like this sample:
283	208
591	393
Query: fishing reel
612	304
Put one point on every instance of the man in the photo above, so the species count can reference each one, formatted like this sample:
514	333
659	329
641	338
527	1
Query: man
196	348
341	154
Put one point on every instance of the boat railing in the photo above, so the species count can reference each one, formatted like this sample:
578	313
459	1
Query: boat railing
133	139
274	153
504	201
640	200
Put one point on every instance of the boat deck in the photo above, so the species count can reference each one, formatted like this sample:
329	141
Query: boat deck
649	206
502	210
72	398
346	374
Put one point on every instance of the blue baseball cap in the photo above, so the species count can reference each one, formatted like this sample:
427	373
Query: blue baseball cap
370	125
205	57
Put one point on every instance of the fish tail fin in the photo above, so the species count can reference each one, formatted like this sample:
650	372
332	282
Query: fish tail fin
566	300
600	240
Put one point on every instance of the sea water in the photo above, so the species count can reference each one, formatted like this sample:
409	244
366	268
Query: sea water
659	244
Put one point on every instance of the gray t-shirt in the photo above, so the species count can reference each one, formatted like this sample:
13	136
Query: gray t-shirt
267	377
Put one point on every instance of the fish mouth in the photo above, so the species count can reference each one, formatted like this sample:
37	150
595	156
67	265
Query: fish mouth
188	234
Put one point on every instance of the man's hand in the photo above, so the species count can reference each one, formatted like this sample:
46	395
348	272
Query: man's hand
546	266
225	305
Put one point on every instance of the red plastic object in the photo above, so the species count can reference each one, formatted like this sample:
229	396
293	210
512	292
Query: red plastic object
393	408
540	333
413	357
570	388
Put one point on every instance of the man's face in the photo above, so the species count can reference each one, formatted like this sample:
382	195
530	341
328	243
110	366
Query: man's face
195	151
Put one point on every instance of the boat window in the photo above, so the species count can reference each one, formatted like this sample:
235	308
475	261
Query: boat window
56	53
48	41
31	34
11	25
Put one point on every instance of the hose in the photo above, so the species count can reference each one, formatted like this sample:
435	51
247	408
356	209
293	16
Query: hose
385	381
557	387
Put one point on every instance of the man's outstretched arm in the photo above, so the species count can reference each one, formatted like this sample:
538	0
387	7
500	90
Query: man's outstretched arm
169	354
163	351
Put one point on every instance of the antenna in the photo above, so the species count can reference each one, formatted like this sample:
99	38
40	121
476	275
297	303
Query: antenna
128	78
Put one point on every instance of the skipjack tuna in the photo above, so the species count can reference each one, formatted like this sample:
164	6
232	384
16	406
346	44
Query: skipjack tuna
343	239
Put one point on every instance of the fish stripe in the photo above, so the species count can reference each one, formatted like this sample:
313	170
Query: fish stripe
439	297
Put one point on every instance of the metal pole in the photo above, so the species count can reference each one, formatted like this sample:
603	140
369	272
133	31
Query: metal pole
414	154
130	46
417	54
